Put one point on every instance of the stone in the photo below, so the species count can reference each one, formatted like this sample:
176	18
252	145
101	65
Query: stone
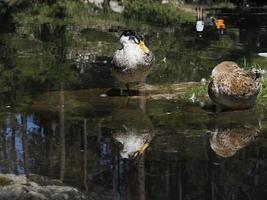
20	187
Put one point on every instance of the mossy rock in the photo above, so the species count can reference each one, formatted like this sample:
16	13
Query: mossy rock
4	181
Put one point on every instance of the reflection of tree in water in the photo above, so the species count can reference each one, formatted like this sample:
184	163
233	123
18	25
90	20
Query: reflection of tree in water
79	152
37	63
130	179
182	171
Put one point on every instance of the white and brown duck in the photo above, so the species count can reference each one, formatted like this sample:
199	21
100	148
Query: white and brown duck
232	87
133	62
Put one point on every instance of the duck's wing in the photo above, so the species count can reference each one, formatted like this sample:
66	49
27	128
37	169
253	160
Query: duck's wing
119	60
238	84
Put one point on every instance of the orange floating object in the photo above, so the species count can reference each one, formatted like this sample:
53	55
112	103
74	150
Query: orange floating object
219	24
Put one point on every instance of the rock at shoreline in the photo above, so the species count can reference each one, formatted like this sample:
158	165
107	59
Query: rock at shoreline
20	187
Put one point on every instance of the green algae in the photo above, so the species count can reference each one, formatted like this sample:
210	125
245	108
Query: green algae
4	181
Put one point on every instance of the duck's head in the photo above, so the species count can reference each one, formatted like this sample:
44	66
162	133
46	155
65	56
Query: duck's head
130	38
257	73
224	67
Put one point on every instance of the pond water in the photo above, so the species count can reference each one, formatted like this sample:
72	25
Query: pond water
55	122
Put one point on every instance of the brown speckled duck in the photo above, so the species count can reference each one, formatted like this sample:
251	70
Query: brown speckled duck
134	61
232	87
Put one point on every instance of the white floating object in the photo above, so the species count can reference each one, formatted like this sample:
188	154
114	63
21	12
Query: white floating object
8	106
103	95
203	81
263	54
193	98
200	26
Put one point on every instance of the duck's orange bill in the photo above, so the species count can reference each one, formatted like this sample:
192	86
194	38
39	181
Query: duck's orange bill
144	47
143	148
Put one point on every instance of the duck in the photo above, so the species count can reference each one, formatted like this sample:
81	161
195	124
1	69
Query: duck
234	88
133	62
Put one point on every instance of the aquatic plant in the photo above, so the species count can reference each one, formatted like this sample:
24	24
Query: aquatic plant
4	181
199	91
264	88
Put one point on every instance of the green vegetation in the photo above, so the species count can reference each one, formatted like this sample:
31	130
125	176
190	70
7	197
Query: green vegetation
200	91
154	11
64	12
264	88
4	181
58	13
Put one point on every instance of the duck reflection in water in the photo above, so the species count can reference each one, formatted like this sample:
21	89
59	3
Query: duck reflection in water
232	132
134	142
133	130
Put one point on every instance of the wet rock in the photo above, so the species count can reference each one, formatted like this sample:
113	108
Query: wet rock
20	187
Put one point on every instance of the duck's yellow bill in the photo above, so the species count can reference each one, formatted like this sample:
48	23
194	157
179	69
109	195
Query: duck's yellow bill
143	148
144	47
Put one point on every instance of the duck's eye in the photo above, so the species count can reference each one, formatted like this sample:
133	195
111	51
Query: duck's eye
136	40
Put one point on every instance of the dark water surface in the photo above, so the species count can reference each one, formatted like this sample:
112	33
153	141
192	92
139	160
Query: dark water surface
54	121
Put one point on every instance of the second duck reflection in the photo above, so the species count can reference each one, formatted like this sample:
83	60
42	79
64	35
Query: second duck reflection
232	131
